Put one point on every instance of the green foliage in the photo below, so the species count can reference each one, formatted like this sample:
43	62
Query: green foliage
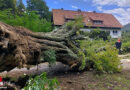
29	20
125	42
81	56
104	61
107	61
7	4
16	6
97	33
125	36
70	24
50	56
20	6
126	47
40	7
77	24
41	83
37	18
2	4
83	60
94	33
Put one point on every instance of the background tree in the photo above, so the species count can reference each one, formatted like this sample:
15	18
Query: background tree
6	4
2	4
40	7
21	7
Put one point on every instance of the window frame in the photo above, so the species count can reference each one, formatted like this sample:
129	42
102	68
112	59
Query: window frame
115	32
97	22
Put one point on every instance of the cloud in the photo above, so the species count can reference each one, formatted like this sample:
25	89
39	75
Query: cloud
120	3
99	8
123	15
128	10
75	7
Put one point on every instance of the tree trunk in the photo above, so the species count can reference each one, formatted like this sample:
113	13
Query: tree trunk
19	47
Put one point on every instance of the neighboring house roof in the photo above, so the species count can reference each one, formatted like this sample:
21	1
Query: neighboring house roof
108	20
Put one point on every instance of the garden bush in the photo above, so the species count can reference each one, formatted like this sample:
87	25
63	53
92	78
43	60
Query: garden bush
97	33
105	60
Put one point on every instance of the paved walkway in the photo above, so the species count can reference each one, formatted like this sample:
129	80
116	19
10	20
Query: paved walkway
125	60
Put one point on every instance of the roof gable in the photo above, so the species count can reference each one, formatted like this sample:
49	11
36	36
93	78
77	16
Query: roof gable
108	20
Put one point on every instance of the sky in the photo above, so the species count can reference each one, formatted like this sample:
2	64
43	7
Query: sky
119	8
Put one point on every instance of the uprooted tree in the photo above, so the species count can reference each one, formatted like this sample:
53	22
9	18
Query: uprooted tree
19	47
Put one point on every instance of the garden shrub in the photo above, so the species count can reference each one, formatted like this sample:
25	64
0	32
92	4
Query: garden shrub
104	61
107	61
94	33
97	33
41	82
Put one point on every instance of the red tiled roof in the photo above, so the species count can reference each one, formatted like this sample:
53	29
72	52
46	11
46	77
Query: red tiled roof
109	20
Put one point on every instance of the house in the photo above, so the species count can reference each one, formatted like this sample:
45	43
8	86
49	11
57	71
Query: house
91	20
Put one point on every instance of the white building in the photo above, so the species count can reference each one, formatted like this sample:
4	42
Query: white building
91	20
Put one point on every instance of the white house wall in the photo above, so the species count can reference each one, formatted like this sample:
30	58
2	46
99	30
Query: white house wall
118	35
115	36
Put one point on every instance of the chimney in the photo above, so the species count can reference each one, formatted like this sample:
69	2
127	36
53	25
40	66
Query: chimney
79	10
94	11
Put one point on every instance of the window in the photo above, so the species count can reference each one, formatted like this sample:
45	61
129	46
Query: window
97	22
115	32
69	19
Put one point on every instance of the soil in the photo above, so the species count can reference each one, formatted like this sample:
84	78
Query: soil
91	81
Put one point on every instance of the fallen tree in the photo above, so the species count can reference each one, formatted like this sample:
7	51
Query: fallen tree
19	47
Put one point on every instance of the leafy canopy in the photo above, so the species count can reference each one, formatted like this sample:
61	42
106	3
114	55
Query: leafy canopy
40	7
29	20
